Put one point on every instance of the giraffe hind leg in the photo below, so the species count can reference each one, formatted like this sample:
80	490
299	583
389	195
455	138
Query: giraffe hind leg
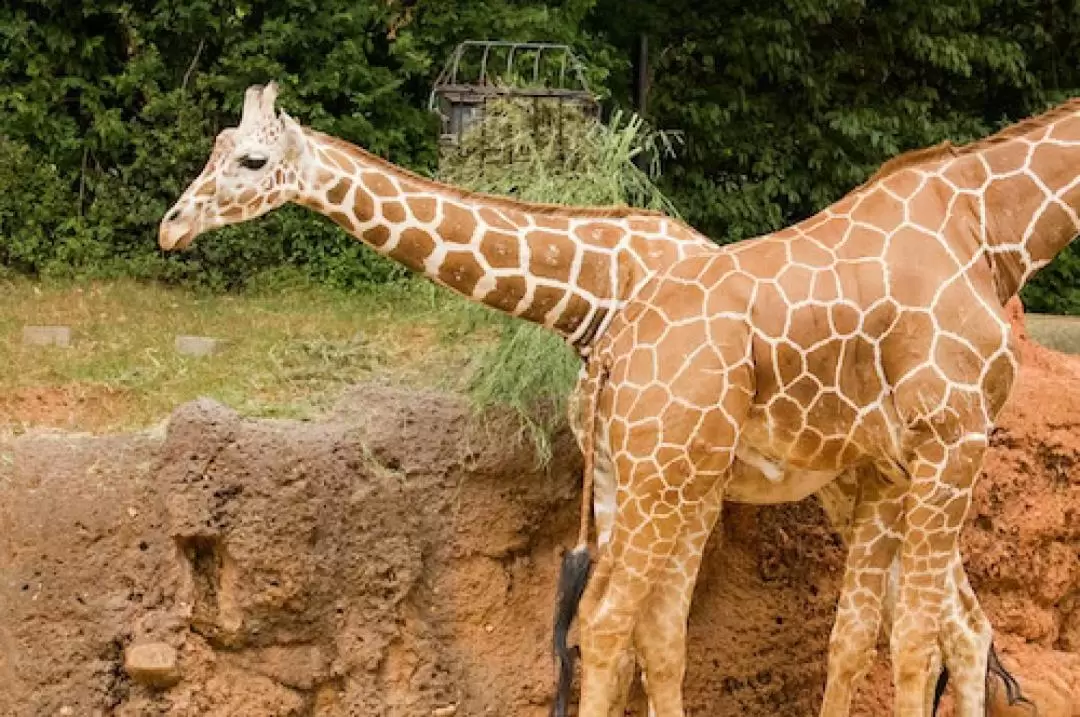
1014	695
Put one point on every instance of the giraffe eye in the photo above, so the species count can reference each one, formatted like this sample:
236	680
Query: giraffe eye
252	162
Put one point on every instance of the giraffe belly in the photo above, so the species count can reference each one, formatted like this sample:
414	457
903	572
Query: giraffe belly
761	480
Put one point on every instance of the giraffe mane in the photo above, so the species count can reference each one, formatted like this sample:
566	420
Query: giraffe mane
946	149
546	209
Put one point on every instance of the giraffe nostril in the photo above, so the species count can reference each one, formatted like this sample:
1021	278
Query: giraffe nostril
173	215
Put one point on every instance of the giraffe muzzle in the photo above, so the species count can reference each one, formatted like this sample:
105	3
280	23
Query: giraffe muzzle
176	234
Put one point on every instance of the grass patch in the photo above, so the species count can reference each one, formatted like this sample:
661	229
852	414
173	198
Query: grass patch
289	352
1061	333
531	153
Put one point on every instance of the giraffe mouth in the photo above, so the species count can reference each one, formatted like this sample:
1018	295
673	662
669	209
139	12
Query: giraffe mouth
174	236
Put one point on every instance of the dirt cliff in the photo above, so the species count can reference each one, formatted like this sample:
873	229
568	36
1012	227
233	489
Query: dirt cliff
393	559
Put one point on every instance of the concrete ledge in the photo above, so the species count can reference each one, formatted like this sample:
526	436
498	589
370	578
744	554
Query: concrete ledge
46	336
199	345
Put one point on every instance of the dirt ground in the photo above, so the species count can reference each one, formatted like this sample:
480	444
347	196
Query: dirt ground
392	559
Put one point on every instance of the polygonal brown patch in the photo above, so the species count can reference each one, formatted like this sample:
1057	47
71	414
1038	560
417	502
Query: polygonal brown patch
497	220
423	208
1006	157
507	293
966	173
769	311
551	255
1051	227
929	205
460	270
601	234
794	283
502	251
789	362
862	242
810	253
845	318
903	183
340	160
649	327
594	277
553	222
829	231
377	235
379	185
343	220
879	210
413	248
809	325
918	263
393	212
458	224
959	311
544	300
336	194
571	317
363	205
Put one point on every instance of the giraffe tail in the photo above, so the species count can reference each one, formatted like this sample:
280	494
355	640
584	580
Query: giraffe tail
576	563
1013	694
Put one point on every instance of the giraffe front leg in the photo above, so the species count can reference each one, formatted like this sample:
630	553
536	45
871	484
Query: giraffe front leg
873	540
925	636
966	642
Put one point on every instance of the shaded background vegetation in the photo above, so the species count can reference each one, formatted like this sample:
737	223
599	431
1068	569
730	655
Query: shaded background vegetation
108	108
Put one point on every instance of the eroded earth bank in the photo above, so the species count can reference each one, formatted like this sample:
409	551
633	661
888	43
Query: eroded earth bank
393	560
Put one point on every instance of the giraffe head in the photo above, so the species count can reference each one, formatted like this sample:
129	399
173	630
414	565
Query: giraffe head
253	169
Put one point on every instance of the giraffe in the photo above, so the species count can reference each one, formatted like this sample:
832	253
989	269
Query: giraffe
534	261
566	268
868	341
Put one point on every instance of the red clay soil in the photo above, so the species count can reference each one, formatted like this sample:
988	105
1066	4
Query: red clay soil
393	560
70	407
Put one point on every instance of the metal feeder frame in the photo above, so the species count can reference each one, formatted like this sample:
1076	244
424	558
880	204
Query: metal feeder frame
459	103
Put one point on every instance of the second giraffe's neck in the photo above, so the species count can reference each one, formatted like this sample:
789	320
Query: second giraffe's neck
1031	199
562	267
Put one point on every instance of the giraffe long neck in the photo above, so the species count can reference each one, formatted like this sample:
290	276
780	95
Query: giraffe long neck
564	268
1030	201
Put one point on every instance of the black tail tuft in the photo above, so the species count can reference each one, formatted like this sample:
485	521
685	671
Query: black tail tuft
939	690
1013	693
572	579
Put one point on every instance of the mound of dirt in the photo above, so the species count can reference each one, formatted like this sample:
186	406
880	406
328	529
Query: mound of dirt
395	560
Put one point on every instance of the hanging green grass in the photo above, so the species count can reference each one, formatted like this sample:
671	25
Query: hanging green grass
542	153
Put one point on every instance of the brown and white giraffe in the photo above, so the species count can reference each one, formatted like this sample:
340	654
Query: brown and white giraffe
565	268
868	341
547	264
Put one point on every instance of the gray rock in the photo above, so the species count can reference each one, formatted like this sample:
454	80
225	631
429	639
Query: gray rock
47	336
199	345
152	663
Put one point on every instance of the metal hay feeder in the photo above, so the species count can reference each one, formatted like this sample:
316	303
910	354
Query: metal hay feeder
480	71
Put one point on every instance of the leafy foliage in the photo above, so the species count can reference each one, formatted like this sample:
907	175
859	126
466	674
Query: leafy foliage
107	109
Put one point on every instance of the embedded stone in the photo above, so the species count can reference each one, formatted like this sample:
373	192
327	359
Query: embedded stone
152	663
47	336
199	345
